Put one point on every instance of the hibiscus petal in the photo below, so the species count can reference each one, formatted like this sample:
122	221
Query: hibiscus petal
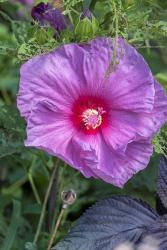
156	119
50	131
131	82
138	154
108	165
57	76
125	127
160	106
121	73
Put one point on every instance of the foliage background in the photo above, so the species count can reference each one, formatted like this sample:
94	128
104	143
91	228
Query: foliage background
25	173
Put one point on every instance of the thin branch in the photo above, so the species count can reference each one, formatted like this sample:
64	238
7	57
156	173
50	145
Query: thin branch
44	207
53	236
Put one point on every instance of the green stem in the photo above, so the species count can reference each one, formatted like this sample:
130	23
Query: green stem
75	11
16	185
53	201
70	17
53	236
116	19
92	5
6	97
37	197
44	207
60	187
5	16
115	40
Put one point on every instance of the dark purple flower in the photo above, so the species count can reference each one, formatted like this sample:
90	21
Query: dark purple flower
99	121
38	12
46	14
87	13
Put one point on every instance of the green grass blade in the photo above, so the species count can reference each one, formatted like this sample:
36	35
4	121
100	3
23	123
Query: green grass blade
12	230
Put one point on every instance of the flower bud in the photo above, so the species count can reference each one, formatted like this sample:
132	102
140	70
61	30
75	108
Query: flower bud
68	197
87	27
87	14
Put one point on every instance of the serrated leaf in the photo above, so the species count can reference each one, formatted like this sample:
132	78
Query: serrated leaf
158	230
20	30
11	131
5	50
108	223
32	48
12	230
162	181
71	3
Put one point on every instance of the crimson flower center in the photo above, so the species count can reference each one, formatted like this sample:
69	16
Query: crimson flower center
90	113
92	118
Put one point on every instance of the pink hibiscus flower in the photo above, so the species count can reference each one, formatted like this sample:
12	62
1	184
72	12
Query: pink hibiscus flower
98	118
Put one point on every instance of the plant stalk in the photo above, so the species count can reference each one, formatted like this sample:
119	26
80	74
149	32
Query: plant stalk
44	207
53	236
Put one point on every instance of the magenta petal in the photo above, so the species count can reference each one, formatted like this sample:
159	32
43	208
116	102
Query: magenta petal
61	75
86	155
53	76
160	106
99	161
131	83
120	168
124	127
50	131
73	70
96	62
138	155
117	169
156	119
95	159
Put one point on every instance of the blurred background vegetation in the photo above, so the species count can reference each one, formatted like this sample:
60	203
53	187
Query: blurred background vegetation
24	172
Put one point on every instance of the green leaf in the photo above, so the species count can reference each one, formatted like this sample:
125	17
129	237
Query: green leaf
32	48
160	141
30	246
21	30
5	50
86	4
12	230
32	209
11	131
162	78
71	3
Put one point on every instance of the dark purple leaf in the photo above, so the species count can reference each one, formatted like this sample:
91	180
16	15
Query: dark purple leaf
158	230
162	181
160	207
109	223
